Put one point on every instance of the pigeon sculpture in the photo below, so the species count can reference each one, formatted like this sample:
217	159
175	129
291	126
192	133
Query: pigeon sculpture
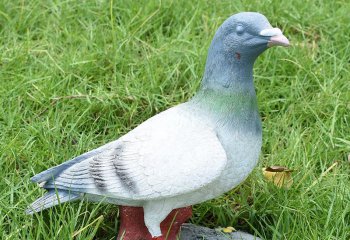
187	154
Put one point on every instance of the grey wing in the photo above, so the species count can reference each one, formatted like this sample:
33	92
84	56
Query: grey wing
95	175
170	154
54	171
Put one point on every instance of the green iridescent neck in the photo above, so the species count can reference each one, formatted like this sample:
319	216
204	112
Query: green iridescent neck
228	111
226	102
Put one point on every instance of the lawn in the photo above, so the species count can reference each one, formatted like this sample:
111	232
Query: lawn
77	74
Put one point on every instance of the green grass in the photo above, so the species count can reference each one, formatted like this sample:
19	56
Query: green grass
75	75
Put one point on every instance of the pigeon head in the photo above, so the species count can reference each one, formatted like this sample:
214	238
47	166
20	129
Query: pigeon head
236	45
248	34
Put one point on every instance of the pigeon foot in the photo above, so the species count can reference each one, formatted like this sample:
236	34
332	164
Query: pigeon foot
132	225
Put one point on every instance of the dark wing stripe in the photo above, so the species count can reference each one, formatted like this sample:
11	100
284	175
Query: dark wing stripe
97	173
101	170
122	171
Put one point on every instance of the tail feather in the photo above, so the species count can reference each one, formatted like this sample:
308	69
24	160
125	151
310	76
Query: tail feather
52	198
54	171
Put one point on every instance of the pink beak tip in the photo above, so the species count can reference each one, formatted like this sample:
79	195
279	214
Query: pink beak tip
279	40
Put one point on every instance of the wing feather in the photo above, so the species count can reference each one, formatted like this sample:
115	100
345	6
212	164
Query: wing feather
173	153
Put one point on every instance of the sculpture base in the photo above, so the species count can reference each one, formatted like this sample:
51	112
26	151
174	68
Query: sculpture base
191	232
133	226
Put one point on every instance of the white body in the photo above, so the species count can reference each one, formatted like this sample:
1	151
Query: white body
177	158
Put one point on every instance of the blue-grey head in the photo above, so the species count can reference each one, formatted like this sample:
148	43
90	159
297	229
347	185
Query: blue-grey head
235	47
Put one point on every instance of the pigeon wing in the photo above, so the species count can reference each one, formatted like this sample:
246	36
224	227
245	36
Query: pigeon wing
170	154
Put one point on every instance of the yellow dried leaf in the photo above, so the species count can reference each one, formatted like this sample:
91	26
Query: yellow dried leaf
228	229
278	169
280	176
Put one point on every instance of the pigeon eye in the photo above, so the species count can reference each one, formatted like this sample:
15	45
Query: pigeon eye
239	29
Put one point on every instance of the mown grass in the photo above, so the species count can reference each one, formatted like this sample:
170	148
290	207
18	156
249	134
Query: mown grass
75	75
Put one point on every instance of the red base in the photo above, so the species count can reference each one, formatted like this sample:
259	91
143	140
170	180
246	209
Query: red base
133	226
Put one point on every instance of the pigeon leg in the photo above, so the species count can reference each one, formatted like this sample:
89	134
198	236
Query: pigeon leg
155	212
160	223
133	227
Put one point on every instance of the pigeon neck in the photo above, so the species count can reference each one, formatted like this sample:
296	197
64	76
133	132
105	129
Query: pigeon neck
227	86
228	72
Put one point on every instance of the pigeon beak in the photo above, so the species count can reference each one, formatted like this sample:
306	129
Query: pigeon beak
276	37
279	40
